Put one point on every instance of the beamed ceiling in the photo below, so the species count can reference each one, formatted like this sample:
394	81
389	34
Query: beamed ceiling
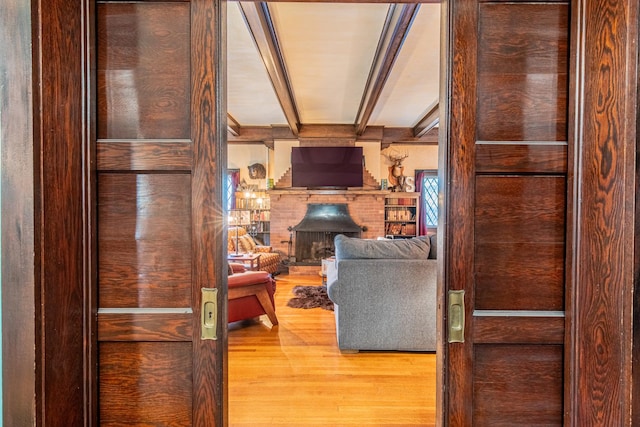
337	70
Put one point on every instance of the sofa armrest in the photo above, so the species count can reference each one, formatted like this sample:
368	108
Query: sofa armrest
263	249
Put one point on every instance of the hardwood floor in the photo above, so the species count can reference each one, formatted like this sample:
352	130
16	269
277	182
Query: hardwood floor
294	374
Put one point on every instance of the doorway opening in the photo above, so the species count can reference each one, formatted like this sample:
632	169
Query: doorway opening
252	140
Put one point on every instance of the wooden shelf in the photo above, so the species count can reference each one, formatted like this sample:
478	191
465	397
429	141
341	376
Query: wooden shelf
401	215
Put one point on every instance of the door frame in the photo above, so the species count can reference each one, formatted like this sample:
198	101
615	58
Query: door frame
47	196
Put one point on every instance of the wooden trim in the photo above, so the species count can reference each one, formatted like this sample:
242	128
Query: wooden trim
142	326
388	49
386	135
523	157
428	121
457	225
601	222
115	155
232	125
258	19
208	236
518	330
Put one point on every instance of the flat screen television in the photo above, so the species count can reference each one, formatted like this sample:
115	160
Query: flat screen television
326	167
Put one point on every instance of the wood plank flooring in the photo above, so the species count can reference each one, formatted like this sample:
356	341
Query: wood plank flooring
294	374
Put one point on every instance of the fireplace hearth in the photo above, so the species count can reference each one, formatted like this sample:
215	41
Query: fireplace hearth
315	233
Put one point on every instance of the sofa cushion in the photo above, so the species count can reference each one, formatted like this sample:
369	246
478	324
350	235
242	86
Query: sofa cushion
356	248
246	243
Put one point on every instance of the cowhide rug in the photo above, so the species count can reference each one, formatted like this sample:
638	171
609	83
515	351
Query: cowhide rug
310	297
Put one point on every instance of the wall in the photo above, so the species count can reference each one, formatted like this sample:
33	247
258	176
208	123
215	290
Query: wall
420	157
240	156
282	157
278	160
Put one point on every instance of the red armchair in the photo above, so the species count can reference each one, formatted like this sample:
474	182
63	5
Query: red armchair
250	294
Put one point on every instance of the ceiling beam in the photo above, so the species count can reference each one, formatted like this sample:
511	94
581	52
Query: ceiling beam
394	32
428	121
233	127
386	135
258	20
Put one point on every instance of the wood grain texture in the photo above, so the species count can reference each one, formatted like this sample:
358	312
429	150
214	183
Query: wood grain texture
145	326
521	158
518	385
506	166
144	233
208	235
520	276
457	160
143	74
522	107
518	330
144	155
520	249
605	158
522	71
62	186
139	380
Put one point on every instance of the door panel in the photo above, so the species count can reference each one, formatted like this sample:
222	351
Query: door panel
522	71
506	163
137	377
143	73
160	234
517	385
519	242
145	240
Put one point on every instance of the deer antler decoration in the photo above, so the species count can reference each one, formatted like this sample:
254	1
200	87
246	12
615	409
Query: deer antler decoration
396	157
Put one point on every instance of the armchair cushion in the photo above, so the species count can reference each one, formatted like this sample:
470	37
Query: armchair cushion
269	260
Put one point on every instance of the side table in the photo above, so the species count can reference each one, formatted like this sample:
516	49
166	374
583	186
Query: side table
251	261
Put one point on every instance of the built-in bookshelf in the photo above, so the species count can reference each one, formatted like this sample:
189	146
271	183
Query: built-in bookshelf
257	204
401	214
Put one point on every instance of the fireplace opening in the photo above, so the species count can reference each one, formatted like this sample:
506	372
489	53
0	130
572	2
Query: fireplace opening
315	233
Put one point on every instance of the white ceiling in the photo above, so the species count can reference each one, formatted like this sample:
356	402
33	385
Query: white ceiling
328	50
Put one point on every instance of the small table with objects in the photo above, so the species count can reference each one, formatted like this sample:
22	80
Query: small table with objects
328	264
250	261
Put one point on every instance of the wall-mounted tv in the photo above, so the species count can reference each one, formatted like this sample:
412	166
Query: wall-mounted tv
326	167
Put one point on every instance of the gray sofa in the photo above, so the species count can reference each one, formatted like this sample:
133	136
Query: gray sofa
384	292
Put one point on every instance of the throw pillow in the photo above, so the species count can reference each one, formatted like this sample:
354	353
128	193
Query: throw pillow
246	243
355	248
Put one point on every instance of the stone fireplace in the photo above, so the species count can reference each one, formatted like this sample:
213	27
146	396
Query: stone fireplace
315	233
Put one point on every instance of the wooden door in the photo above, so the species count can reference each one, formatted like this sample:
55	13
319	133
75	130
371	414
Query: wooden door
506	210
160	159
